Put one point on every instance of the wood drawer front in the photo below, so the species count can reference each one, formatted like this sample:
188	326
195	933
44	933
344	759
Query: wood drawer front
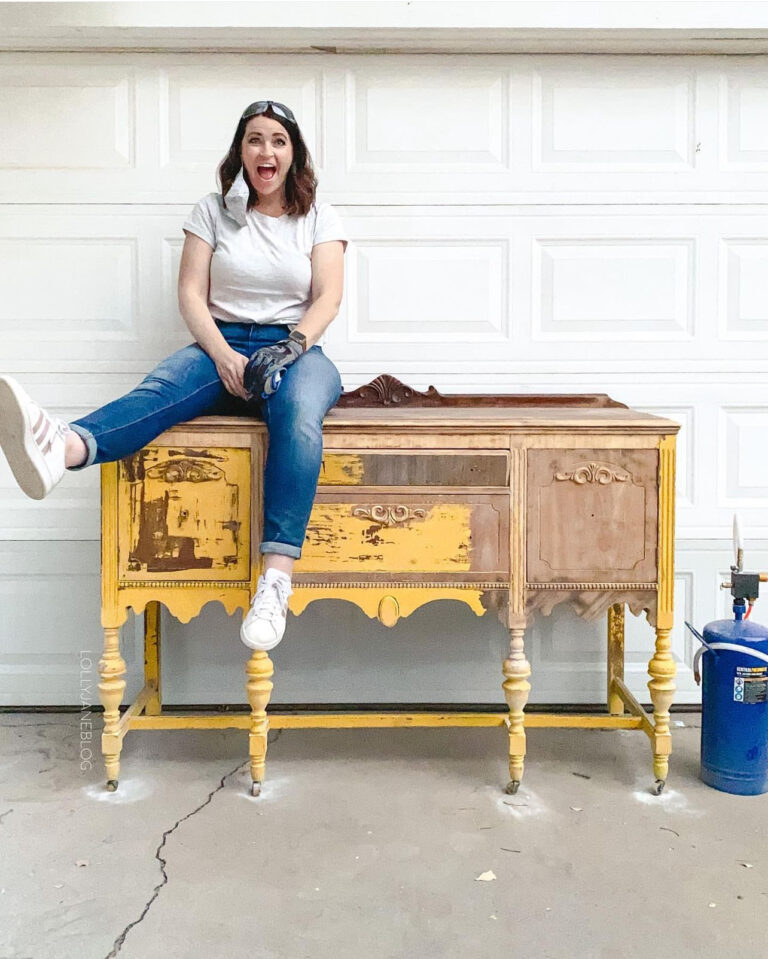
407	534
592	515
388	468
184	515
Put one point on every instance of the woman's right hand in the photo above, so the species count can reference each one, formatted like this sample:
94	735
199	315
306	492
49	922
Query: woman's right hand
230	365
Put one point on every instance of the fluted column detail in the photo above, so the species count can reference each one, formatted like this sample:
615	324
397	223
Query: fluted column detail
662	668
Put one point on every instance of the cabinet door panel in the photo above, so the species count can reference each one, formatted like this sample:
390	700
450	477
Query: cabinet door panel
592	515
184	515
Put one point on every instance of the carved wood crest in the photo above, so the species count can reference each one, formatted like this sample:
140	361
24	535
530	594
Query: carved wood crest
388	515
387	390
185	471
602	473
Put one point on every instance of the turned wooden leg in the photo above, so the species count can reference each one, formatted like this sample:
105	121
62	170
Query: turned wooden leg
516	670
259	670
615	656
662	671
111	689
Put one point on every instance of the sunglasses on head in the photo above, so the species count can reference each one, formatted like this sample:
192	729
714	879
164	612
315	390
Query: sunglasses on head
261	106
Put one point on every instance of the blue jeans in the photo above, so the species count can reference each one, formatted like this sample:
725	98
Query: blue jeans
186	385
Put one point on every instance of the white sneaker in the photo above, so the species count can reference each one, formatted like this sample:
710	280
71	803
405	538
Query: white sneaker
32	440
264	624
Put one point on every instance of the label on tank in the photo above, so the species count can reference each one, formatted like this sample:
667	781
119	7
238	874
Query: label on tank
750	684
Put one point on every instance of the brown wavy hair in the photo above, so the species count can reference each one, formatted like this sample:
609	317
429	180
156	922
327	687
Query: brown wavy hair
301	182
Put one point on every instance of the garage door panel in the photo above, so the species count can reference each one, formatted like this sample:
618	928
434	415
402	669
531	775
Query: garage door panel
453	280
87	284
198	109
629	116
519	223
151	128
64	118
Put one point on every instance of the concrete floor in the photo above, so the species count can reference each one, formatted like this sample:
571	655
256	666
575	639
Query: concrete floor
369	843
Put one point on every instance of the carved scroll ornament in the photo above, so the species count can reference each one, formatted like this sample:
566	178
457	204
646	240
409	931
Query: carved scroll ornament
602	473
388	515
185	471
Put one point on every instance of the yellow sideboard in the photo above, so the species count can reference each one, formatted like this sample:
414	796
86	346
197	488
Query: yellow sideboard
497	502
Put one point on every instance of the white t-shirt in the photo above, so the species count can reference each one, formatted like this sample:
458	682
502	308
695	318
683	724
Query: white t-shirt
261	271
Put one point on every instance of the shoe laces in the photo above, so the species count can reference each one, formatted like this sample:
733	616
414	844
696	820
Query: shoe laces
271	598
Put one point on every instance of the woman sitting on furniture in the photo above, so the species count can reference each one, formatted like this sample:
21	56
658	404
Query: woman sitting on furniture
261	278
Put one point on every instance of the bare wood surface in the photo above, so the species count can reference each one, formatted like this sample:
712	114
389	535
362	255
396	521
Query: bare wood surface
592	515
388	391
488	417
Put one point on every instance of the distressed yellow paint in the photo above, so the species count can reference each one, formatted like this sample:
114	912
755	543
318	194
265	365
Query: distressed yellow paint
369	720
206	507
339	541
112	613
369	598
185	600
341	469
152	646
389	611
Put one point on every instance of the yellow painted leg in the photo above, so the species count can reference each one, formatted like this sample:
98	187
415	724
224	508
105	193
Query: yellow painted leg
662	671
662	666
259	670
516	670
152	674
111	689
615	656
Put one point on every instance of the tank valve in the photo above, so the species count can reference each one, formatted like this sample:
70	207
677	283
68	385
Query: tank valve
745	586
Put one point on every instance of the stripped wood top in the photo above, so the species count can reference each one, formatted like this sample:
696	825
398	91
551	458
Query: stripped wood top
479	418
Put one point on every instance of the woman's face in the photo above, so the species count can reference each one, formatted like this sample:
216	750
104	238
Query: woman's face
267	154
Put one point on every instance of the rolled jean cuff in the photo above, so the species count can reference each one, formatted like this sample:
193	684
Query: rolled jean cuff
90	443
284	549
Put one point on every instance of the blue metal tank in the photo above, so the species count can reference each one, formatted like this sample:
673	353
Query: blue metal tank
734	726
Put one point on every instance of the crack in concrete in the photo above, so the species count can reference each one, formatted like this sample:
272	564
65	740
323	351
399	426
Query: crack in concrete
6	813
118	943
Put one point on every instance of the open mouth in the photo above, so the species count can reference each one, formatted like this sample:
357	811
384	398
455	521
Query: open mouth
266	172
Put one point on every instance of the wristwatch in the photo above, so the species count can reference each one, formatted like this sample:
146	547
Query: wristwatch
298	338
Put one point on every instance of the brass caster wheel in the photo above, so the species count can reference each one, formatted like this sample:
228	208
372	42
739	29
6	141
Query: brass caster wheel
658	787
512	786
111	785
256	788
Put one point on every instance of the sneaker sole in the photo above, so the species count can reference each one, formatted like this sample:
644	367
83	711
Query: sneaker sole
18	443
262	648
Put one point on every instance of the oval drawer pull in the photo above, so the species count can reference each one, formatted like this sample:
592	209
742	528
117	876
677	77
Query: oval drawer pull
388	515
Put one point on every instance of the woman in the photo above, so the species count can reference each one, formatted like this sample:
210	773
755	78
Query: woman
260	279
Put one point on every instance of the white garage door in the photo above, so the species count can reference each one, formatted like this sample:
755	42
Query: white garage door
519	223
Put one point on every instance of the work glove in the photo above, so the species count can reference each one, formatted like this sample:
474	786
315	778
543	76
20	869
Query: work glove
265	369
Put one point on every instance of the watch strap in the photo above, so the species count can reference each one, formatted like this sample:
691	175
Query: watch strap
298	338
